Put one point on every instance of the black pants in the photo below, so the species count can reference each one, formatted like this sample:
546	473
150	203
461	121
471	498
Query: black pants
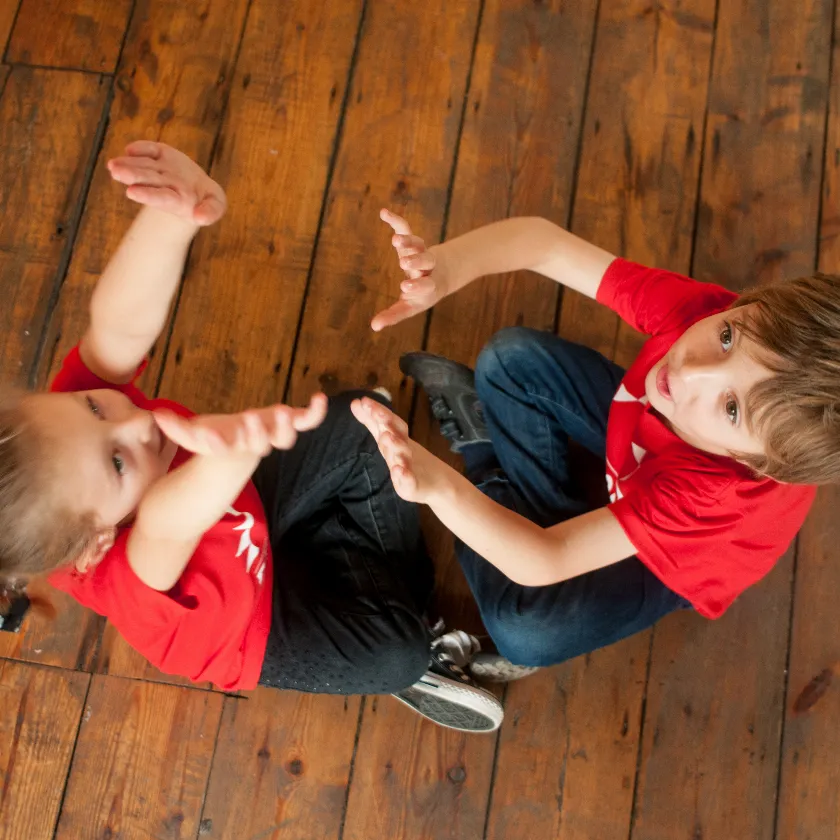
351	575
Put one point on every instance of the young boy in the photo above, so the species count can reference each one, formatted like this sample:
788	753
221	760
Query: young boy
312	576
712	441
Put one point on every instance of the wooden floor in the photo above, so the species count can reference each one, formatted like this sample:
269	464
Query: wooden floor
699	135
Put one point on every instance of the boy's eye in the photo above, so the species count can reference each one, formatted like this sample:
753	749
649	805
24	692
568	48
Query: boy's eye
726	336
94	406
732	410
119	464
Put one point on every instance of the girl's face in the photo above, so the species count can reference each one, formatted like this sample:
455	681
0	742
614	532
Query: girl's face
105	452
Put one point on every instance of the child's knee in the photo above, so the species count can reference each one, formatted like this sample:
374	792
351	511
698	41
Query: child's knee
505	358
520	637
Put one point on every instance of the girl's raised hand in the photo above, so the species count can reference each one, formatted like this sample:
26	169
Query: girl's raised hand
162	177
253	432
424	283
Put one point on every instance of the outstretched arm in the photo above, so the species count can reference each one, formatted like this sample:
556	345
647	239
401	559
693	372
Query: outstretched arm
180	507
510	245
525	552
132	298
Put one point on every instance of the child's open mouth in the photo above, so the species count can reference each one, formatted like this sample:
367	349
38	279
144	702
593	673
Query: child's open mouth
662	383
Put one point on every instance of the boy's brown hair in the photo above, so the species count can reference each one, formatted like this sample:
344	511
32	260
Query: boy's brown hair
796	412
35	536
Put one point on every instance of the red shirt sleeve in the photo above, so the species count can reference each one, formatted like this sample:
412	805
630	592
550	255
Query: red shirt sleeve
178	633
655	301
74	375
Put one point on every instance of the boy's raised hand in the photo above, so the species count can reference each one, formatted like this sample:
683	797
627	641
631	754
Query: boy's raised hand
417	475
424	284
253	432
162	177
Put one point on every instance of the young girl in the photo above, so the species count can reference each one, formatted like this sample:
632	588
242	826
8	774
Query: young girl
312	576
712	441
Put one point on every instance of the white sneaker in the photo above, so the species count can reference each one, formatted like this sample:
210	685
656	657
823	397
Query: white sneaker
494	668
446	695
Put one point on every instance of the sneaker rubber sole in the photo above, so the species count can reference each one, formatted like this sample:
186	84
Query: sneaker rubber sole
493	668
453	704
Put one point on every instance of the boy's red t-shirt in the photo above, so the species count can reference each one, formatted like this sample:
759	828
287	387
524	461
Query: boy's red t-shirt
704	524
213	624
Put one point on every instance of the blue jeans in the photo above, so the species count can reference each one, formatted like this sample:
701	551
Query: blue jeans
539	392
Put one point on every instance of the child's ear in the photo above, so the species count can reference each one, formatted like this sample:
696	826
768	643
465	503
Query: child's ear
96	549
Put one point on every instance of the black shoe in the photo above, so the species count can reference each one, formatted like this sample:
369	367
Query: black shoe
446	695
450	387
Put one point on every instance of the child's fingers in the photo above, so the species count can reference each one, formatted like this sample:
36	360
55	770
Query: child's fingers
397	223
395	313
405	245
313	415
145	148
418	287
405	483
147	175
138	163
421	263
178	429
164	198
386	417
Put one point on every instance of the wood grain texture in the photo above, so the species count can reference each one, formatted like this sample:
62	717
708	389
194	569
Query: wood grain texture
40	710
237	322
282	767
141	763
640	158
75	34
414	780
808	803
397	149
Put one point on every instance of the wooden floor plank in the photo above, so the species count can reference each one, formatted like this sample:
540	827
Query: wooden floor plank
236	324
416	781
397	150
715	698
48	123
808	801
172	87
640	159
279	772
637	181
141	763
8	10
81	35
517	156
40	710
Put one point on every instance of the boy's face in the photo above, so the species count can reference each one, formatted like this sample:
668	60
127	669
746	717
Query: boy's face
700	386
105	452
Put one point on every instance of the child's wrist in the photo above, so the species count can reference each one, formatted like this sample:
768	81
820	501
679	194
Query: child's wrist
171	227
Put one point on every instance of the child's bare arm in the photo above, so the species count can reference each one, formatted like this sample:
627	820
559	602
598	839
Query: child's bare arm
510	245
522	550
180	507
132	299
